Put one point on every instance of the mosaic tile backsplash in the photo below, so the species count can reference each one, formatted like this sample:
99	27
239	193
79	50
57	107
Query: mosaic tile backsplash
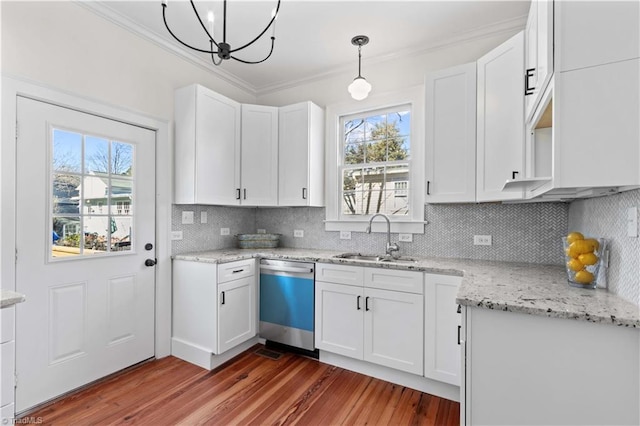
520	232
606	217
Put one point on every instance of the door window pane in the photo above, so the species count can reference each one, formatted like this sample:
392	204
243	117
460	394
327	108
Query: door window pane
66	236
67	151
122	159
96	155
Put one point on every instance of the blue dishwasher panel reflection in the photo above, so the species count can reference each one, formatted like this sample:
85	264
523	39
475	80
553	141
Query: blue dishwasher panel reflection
287	302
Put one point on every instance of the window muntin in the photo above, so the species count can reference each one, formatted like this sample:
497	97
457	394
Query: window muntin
375	154
92	181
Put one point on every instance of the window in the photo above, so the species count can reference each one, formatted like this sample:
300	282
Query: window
375	154
89	173
375	162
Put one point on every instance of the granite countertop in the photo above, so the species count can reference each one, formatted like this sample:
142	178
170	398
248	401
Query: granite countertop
513	287
8	298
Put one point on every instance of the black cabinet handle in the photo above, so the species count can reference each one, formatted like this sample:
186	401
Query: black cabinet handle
358	302
245	193
459	327
459	310
237	193
528	90
513	174
428	187
222	303
237	270
304	193
366	303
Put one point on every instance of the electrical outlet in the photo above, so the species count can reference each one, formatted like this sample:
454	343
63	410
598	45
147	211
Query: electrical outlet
345	235
298	233
224	231
262	231
176	235
406	238
632	222
482	240
187	218
203	217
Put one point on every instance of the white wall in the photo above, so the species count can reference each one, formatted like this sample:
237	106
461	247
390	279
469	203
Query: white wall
385	76
67	47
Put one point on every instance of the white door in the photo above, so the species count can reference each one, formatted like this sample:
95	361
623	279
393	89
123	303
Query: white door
85	226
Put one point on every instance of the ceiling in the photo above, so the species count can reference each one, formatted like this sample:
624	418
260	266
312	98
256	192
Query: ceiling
313	38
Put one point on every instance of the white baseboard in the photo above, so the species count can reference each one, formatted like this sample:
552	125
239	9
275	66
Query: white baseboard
422	384
203	357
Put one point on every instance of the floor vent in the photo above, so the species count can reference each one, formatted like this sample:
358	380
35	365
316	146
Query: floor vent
268	354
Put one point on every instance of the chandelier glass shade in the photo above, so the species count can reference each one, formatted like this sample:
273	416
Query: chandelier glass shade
223	49
360	87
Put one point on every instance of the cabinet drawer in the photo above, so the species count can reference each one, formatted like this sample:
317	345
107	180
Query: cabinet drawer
340	274
7	332
236	270
7	364
396	280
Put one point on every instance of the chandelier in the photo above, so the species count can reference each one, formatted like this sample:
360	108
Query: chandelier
360	87
223	49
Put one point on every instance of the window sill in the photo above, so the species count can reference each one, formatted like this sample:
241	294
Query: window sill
379	225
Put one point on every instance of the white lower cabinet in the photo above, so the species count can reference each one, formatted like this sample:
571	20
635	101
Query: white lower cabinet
529	369
7	365
214	308
384	327
442	325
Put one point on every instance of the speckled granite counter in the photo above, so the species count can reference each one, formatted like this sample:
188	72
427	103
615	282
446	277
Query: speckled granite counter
8	298
513	287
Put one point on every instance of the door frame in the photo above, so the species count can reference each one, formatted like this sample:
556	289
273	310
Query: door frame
12	88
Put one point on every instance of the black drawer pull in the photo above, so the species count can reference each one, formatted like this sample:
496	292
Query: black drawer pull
223	301
237	270
528	90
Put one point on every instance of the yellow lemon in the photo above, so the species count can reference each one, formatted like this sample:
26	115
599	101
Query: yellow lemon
574	236
588	259
584	277
594	243
579	247
575	265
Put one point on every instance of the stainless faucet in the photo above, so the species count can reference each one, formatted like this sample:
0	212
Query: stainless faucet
391	248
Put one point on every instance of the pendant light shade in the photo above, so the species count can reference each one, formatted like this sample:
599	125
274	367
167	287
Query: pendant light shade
360	87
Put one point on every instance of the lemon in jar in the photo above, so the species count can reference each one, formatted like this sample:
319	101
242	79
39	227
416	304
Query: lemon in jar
579	247
584	277
575	265
588	259
574	236
594	243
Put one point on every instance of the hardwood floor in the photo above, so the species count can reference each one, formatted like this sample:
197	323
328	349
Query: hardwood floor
251	389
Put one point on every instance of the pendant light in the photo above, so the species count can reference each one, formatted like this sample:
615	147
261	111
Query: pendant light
223	49
360	87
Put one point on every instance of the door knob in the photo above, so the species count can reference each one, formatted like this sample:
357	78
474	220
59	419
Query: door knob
150	262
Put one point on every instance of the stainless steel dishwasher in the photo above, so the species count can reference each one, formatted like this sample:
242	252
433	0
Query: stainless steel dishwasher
287	303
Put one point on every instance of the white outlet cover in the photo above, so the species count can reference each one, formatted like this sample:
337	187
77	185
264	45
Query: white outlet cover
203	217
345	235
407	238
262	231
176	235
298	233
482	240
187	218
224	231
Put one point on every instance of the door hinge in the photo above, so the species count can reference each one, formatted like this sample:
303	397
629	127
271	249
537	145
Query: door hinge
16	255
17	132
15	380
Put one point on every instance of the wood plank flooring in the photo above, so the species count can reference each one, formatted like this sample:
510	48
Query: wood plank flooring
249	390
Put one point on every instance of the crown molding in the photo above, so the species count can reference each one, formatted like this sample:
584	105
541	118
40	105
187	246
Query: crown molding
508	26
128	24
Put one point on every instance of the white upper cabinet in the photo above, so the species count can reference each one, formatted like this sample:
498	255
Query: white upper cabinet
451	135
500	126
301	155
538	52
259	156
590	33
207	147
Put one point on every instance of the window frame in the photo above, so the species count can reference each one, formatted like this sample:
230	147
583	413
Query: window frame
414	221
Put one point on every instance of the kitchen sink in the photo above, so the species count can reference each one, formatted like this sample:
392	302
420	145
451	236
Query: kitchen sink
375	258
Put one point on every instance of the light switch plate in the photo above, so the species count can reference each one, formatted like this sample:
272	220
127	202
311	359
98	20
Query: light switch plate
187	218
632	222
345	235
176	235
203	217
224	231
298	233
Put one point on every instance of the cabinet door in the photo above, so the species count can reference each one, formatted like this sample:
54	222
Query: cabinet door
538	52
301	155
393	329
451	135
590	33
500	124
339	319
259	164
441	323
236	312
8	366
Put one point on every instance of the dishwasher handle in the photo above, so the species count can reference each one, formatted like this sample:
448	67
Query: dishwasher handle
293	269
